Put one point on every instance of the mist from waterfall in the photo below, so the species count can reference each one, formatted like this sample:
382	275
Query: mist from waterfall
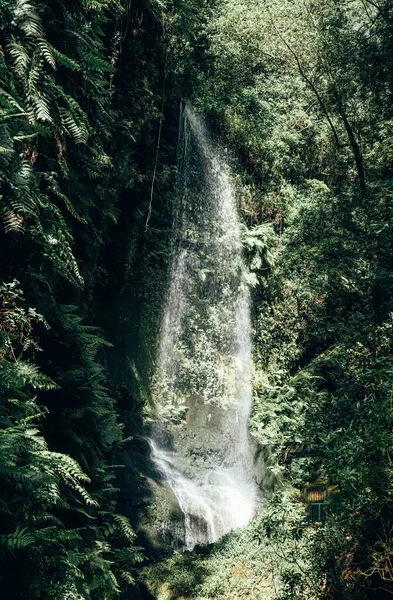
202	386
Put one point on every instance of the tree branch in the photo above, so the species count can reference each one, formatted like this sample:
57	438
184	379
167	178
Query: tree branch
312	86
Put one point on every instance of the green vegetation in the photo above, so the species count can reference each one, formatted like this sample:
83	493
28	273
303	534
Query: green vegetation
301	91
82	86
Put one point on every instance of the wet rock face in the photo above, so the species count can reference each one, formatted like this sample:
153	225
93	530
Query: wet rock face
167	530
200	414
197	446
205	439
198	468
148	501
202	385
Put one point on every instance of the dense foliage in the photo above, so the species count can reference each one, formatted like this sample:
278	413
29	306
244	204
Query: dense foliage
84	90
301	90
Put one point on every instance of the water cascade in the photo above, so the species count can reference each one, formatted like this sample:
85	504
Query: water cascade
201	386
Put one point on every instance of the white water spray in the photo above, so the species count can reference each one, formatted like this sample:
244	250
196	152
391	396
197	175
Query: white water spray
202	386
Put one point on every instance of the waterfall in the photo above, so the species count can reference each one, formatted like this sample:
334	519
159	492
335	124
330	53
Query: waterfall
201	387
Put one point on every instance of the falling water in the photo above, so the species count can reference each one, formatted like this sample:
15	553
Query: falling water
201	387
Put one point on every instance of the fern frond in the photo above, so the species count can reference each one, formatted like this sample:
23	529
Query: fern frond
127	577
124	527
23	373
12	221
99	65
47	52
25	174
27	19
56	534
6	116
20	538
101	547
41	109
22	138
66	61
54	188
20	57
74	127
62	257
9	100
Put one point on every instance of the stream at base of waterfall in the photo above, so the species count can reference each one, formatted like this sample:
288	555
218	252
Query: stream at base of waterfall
202	384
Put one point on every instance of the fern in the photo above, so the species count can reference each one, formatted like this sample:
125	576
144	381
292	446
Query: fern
47	52
20	538
62	258
20	57
124	527
12	221
53	186
57	534
22	373
127	577
27	19
74	126
66	61
58	195
25	137
95	63
41	109
9	100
